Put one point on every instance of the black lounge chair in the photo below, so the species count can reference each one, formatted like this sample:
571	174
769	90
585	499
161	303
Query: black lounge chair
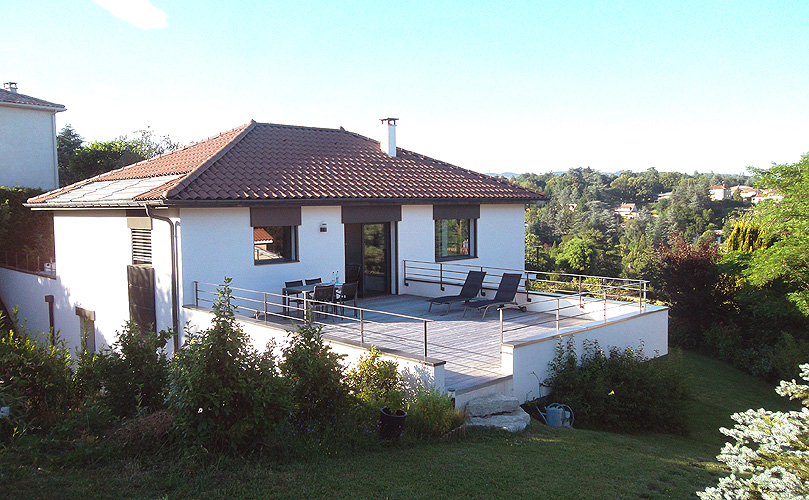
505	295
470	290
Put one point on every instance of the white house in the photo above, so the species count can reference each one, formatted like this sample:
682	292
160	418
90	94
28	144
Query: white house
27	140
263	204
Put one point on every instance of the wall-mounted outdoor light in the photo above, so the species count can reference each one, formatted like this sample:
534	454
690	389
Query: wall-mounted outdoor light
323	227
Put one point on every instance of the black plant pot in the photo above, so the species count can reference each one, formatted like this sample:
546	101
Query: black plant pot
391	424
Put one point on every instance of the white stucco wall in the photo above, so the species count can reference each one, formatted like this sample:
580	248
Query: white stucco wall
529	357
28	148
27	292
500	238
219	242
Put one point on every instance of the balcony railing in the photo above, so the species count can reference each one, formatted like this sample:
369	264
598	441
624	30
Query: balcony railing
29	263
558	295
355	322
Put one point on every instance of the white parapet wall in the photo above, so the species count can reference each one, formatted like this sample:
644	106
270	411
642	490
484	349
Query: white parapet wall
428	373
26	292
529	358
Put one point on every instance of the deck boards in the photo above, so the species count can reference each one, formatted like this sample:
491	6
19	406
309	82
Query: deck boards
469	345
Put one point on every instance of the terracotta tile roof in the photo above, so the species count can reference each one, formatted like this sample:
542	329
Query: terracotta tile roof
264	162
14	98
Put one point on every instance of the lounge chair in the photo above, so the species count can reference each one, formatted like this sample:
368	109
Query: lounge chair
470	290
506	292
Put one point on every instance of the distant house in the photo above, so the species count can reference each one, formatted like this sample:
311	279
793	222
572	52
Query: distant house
27	140
719	192
627	210
766	194
265	204
664	196
745	192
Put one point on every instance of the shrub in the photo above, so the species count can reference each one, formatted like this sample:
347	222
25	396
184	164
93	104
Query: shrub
35	382
430	413
222	392
131	375
623	391
315	375
376	381
769	456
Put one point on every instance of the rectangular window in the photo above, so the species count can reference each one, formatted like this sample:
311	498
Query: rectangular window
275	244
455	239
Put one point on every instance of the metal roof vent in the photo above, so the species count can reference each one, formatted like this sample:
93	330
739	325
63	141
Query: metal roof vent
390	146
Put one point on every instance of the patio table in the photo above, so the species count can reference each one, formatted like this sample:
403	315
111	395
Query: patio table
306	290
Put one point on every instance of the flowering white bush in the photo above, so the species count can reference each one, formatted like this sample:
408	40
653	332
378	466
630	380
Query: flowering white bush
770	458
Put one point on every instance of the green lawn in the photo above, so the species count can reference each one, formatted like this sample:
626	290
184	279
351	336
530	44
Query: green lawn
542	462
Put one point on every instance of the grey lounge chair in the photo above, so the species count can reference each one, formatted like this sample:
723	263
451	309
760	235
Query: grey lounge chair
505	295
470	290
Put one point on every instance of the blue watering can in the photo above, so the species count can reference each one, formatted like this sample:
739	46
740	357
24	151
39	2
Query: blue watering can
557	415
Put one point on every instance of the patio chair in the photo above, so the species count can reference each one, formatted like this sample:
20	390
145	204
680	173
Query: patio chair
323	298
298	300
314	281
506	292
470	290
348	292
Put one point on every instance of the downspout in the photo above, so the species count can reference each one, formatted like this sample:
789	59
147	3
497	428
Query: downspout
175	320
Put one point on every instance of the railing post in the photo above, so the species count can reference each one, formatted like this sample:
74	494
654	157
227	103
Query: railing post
404	266
557	315
501	324
441	276
605	305
581	302
362	327
645	284
265	307
425	340
196	293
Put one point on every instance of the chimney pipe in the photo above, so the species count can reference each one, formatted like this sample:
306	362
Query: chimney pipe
10	86
390	146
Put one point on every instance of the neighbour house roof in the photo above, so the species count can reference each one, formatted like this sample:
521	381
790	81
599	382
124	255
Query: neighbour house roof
261	163
9	98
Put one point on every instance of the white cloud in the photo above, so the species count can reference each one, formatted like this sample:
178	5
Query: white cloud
139	13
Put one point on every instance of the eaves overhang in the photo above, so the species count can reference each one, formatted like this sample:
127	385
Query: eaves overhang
52	109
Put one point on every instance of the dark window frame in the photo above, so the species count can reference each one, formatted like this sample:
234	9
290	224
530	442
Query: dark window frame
293	246
472	246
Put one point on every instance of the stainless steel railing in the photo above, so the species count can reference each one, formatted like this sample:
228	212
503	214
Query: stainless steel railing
362	323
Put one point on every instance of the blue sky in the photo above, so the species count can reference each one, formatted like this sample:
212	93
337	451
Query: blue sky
494	87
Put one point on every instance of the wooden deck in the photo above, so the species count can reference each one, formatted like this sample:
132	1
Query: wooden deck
469	345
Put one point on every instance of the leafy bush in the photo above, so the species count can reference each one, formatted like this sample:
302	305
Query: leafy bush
35	381
623	391
430	414
769	456
222	392
376	381
131	375
315	375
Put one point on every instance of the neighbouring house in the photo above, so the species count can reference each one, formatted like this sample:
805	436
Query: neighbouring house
664	196
719	192
264	204
627	210
27	140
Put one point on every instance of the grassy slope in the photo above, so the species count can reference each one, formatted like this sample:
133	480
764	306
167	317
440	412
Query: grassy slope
540	463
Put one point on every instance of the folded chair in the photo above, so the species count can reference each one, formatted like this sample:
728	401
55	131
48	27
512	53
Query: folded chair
505	295
470	290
